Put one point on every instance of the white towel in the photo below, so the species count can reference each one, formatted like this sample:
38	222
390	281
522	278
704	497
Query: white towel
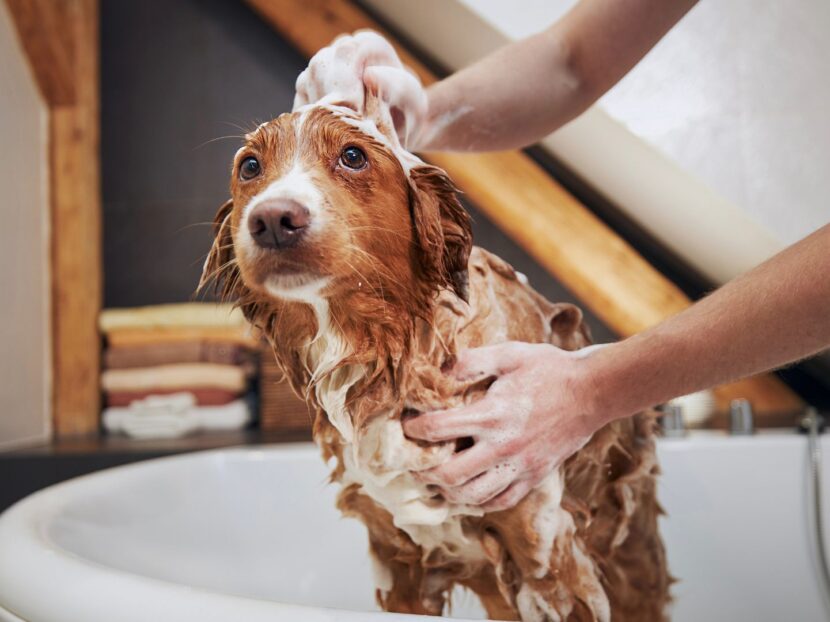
172	416
175	376
192	314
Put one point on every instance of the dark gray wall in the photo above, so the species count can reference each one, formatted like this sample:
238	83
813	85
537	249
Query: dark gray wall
178	78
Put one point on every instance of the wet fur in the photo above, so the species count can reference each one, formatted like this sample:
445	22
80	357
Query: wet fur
425	294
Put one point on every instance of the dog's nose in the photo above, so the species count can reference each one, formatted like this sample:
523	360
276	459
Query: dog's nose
278	223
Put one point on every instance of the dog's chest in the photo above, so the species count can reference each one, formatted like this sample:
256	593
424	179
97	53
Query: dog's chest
381	460
377	456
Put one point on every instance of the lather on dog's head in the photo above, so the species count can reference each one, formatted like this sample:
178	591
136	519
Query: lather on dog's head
323	209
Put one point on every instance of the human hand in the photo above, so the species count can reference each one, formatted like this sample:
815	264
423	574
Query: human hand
534	416
344	71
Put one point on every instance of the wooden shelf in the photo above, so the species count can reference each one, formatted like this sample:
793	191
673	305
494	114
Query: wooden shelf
124	445
27	470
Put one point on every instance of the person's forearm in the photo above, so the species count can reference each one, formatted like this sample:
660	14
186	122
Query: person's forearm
524	91
773	315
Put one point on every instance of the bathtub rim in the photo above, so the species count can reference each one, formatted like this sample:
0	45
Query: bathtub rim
23	537
30	560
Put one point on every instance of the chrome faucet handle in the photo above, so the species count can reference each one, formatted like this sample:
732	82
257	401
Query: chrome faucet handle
811	421
740	417
672	421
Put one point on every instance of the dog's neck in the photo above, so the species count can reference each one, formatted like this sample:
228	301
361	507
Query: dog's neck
353	343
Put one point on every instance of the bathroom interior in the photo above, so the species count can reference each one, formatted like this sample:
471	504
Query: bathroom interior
188	488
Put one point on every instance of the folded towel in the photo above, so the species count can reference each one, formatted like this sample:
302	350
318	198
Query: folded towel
174	415
193	314
196	375
203	396
186	352
127	336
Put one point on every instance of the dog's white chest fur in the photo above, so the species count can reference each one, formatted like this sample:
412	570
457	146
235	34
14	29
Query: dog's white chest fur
380	459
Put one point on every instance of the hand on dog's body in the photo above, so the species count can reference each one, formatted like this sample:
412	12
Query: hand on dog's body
532	418
569	395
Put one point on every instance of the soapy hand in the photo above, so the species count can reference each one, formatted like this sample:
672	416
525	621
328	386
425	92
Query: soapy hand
534	416
353	64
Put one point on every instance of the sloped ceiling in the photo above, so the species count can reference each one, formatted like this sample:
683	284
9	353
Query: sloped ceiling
714	144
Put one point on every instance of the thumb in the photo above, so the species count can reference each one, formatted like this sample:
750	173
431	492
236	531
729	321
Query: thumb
402	92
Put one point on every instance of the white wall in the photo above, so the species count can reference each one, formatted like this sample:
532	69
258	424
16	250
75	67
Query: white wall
718	143
737	94
24	280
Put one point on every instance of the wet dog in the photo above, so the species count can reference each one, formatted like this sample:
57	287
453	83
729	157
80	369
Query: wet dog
356	262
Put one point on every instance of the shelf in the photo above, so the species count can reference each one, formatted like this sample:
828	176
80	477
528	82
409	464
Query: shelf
125	445
27	470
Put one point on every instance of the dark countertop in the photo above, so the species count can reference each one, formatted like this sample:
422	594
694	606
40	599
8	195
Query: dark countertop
28	469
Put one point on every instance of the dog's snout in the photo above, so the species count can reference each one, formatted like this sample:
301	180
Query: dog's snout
278	223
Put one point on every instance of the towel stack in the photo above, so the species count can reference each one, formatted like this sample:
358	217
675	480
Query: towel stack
173	369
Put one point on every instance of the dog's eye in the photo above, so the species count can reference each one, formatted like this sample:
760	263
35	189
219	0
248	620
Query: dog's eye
353	158
249	168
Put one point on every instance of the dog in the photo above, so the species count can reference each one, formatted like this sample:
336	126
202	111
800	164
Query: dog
356	263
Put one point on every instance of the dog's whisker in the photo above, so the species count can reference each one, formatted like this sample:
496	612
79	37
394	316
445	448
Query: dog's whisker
218	138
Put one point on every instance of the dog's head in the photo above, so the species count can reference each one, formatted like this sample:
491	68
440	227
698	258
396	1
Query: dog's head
322	206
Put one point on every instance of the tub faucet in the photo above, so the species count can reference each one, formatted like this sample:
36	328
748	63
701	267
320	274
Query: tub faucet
672	421
740	417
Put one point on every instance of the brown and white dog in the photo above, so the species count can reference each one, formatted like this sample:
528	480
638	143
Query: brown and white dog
357	263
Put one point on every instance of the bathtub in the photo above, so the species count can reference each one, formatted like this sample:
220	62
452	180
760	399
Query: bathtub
252	534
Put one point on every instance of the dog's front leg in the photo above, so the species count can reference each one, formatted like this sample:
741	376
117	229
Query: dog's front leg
407	587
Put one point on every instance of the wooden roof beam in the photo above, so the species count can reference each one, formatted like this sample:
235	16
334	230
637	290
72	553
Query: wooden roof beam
60	39
43	27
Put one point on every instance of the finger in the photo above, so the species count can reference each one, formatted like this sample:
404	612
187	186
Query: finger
400	90
334	71
483	488
509	498
375	50
447	425
461	467
301	93
403	94
340	39
486	361
300	100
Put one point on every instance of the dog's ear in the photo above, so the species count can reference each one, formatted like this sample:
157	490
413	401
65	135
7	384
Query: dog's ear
220	258
570	332
442	228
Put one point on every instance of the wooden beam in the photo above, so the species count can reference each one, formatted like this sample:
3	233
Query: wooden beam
42	28
586	256
76	233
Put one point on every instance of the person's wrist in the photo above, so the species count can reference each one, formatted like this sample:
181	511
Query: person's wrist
591	389
430	131
419	137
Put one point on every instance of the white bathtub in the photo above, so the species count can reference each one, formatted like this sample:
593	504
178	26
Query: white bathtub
252	534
